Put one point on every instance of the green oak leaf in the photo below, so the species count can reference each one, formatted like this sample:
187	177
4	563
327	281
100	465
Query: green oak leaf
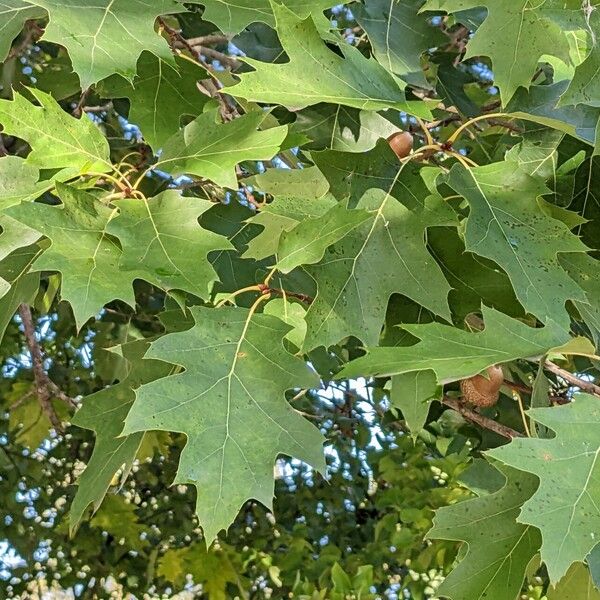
15	235
350	175
584	198
585	270
539	104
506	225
230	404
565	506
13	15
473	279
398	35
537	153
292	313
210	149
577	584
456	354
17	283
412	393
18	181
451	84
163	241
499	548
81	250
235	16
341	128
354	281
107	36
160	95
104	412
56	138
284	214
235	272
118	518
584	88
316	74
305	184
515	35
305	244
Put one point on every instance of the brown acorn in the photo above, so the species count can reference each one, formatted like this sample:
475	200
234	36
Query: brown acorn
401	143
481	390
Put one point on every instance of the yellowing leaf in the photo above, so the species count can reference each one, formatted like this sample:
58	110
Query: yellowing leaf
56	138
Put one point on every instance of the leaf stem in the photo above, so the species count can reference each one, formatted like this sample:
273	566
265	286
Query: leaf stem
460	129
517	397
250	288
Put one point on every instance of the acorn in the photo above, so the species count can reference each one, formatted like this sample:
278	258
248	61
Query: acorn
401	143
481	390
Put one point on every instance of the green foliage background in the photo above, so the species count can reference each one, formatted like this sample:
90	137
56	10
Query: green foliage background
234	322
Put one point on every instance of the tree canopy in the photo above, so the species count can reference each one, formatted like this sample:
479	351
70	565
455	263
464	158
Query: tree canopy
300	299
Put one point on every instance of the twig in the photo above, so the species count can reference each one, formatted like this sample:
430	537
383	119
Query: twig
77	111
97	109
517	387
211	53
207	40
484	422
32	32
586	386
176	38
45	387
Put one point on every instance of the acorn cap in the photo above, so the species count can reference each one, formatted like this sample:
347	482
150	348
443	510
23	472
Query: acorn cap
483	390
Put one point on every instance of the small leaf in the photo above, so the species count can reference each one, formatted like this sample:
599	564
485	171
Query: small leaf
575	585
306	243
412	393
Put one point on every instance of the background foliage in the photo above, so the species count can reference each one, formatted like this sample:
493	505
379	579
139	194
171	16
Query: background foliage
244	317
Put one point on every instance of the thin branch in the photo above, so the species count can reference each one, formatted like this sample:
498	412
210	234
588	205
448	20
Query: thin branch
480	420
31	33
211	53
586	386
177	41
208	40
46	389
